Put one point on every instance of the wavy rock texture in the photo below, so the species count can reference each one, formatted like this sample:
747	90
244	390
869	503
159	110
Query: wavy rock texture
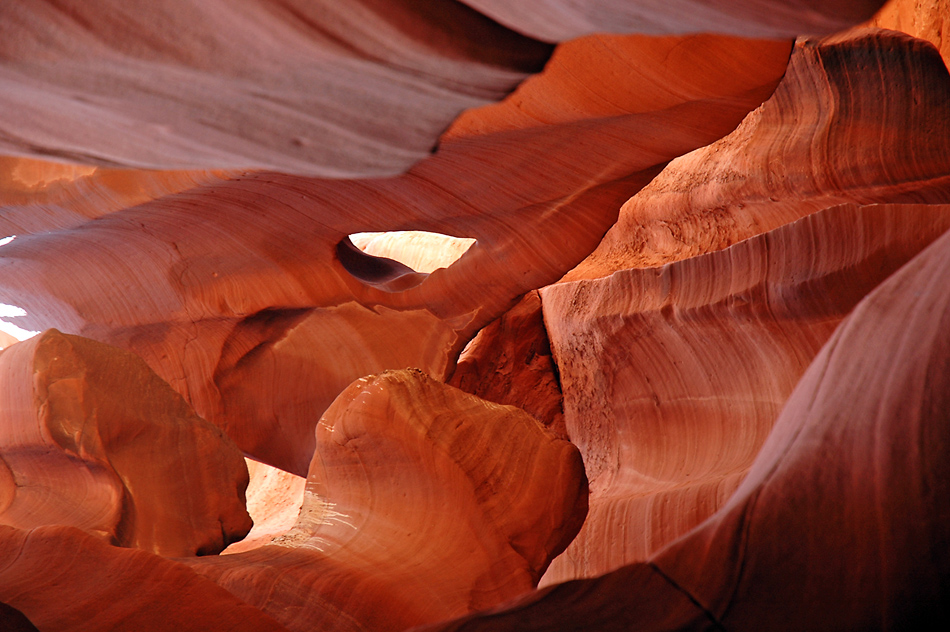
759	458
670	406
834	132
422	503
39	196
258	267
90	437
298	86
555	20
302	86
842	498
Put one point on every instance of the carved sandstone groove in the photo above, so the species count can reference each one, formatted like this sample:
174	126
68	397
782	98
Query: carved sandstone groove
845	498
422	503
834	132
673	376
223	285
65	580
300	86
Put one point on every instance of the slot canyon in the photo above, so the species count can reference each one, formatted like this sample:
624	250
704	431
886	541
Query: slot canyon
474	315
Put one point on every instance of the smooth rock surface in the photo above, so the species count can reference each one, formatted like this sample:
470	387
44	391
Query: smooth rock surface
91	438
65	580
422	503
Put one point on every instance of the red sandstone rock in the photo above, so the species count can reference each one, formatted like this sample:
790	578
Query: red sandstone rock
835	131
839	524
90	437
65	580
300	86
38	195
422	503
239	289
224	284
509	362
673	376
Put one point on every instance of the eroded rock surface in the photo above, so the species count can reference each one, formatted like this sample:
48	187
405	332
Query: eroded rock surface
673	376
65	580
759	458
225	283
834	132
841	498
422	503
90	437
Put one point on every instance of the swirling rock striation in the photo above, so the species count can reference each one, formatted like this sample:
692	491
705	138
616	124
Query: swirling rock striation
842	498
834	132
422	503
672	377
555	20
223	284
309	87
65	580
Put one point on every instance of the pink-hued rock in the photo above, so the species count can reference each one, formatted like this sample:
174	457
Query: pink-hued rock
673	376
555	20
834	132
422	503
39	195
841	522
226	283
90	437
65	580
300	86
758	458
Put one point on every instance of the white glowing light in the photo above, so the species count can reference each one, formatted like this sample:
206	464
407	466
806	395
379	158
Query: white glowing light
6	240
9	311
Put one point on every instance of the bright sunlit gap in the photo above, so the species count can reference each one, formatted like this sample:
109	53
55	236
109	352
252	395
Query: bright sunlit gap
420	250
12	311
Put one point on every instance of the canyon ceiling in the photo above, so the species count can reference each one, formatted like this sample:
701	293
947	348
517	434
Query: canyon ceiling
474	315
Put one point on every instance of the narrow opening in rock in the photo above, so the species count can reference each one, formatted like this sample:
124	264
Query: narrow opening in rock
8	328
416	249
398	260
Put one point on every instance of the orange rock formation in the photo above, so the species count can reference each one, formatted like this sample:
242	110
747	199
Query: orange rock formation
93	439
690	252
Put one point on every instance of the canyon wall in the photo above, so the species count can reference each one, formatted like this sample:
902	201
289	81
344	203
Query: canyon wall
474	315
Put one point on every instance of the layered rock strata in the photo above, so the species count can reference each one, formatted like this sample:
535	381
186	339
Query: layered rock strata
422	502
223	284
672	377
842	498
835	131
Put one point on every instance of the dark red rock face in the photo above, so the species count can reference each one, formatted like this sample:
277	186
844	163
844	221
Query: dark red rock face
388	315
